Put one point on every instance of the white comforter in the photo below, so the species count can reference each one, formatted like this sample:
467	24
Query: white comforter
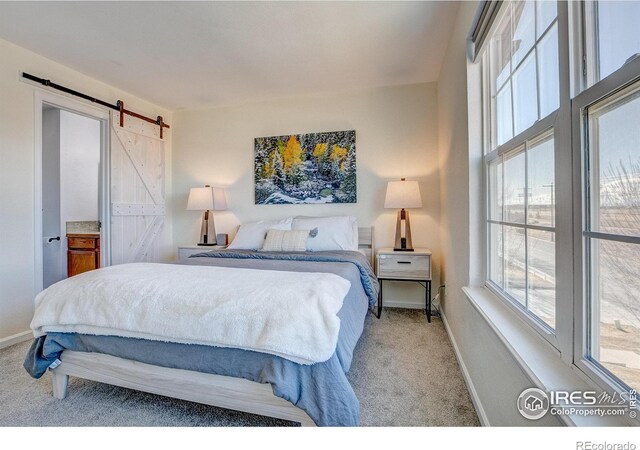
289	314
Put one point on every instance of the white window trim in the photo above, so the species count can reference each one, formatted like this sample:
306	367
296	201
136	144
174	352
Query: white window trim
537	358
564	193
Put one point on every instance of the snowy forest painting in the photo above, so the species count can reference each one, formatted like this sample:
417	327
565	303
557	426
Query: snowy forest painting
306	168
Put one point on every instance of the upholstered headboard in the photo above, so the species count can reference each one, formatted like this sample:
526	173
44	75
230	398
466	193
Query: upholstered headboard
365	242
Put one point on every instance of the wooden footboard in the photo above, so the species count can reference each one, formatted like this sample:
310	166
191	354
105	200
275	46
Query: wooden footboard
216	390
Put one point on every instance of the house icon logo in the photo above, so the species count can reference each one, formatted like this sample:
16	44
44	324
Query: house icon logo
533	403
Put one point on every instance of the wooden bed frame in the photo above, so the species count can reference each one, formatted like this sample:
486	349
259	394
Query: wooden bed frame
210	389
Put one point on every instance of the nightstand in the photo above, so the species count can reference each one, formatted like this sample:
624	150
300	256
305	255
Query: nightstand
405	266
184	251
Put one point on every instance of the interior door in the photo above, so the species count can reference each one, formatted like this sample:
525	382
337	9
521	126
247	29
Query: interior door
52	251
137	190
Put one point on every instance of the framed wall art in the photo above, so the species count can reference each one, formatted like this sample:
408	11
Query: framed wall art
308	168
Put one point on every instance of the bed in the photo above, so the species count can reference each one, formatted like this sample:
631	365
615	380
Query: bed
232	378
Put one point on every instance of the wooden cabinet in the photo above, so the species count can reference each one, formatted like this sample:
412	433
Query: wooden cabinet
83	253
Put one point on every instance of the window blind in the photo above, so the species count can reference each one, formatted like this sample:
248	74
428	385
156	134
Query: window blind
482	22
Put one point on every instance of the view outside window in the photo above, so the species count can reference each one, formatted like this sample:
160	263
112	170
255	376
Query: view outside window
614	163
524	81
524	67
522	227
618	34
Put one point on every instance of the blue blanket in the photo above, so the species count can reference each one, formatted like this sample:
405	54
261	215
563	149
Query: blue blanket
321	389
367	277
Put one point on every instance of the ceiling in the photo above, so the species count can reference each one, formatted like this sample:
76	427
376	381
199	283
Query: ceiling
185	55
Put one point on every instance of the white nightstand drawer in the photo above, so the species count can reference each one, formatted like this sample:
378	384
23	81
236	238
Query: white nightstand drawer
404	266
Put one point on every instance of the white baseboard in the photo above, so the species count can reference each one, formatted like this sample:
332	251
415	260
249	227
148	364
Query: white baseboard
401	304
482	415
15	339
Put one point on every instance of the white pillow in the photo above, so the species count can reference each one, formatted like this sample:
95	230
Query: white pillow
334	233
250	235
286	241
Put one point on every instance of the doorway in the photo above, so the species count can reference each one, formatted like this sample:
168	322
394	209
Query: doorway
71	189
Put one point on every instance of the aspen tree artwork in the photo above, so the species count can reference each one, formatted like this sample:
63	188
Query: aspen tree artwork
306	168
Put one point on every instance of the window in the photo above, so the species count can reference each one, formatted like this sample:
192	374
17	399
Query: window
612	36
522	66
608	110
563	178
521	222
612	234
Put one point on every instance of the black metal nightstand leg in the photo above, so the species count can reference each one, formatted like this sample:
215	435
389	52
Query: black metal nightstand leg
427	290
379	299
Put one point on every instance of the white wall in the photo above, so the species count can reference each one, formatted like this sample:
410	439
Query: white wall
495	374
17	271
396	136
79	167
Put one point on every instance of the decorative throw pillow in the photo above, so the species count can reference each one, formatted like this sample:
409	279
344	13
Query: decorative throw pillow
250	235
330	233
286	241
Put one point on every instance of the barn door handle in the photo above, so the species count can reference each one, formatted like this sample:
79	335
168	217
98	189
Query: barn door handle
57	238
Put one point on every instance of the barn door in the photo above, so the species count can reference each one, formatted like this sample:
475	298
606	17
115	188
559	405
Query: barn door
137	190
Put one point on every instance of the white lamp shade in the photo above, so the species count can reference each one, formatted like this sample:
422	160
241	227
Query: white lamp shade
403	194
206	198
219	199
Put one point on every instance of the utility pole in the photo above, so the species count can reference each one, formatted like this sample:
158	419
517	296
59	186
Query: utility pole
551	186
525	195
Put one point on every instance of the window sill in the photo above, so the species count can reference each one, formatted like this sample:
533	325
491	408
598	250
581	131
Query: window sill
536	357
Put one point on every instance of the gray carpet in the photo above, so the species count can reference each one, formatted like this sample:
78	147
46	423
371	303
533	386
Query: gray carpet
404	373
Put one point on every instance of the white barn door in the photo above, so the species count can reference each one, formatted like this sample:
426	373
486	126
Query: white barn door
137	190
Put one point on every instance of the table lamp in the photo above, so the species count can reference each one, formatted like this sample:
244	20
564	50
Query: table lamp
207	199
403	194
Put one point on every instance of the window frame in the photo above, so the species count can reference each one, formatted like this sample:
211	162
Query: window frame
605	88
578	90
492	131
560	339
521	144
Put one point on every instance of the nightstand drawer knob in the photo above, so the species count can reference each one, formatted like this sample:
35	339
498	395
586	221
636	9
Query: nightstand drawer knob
404	262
